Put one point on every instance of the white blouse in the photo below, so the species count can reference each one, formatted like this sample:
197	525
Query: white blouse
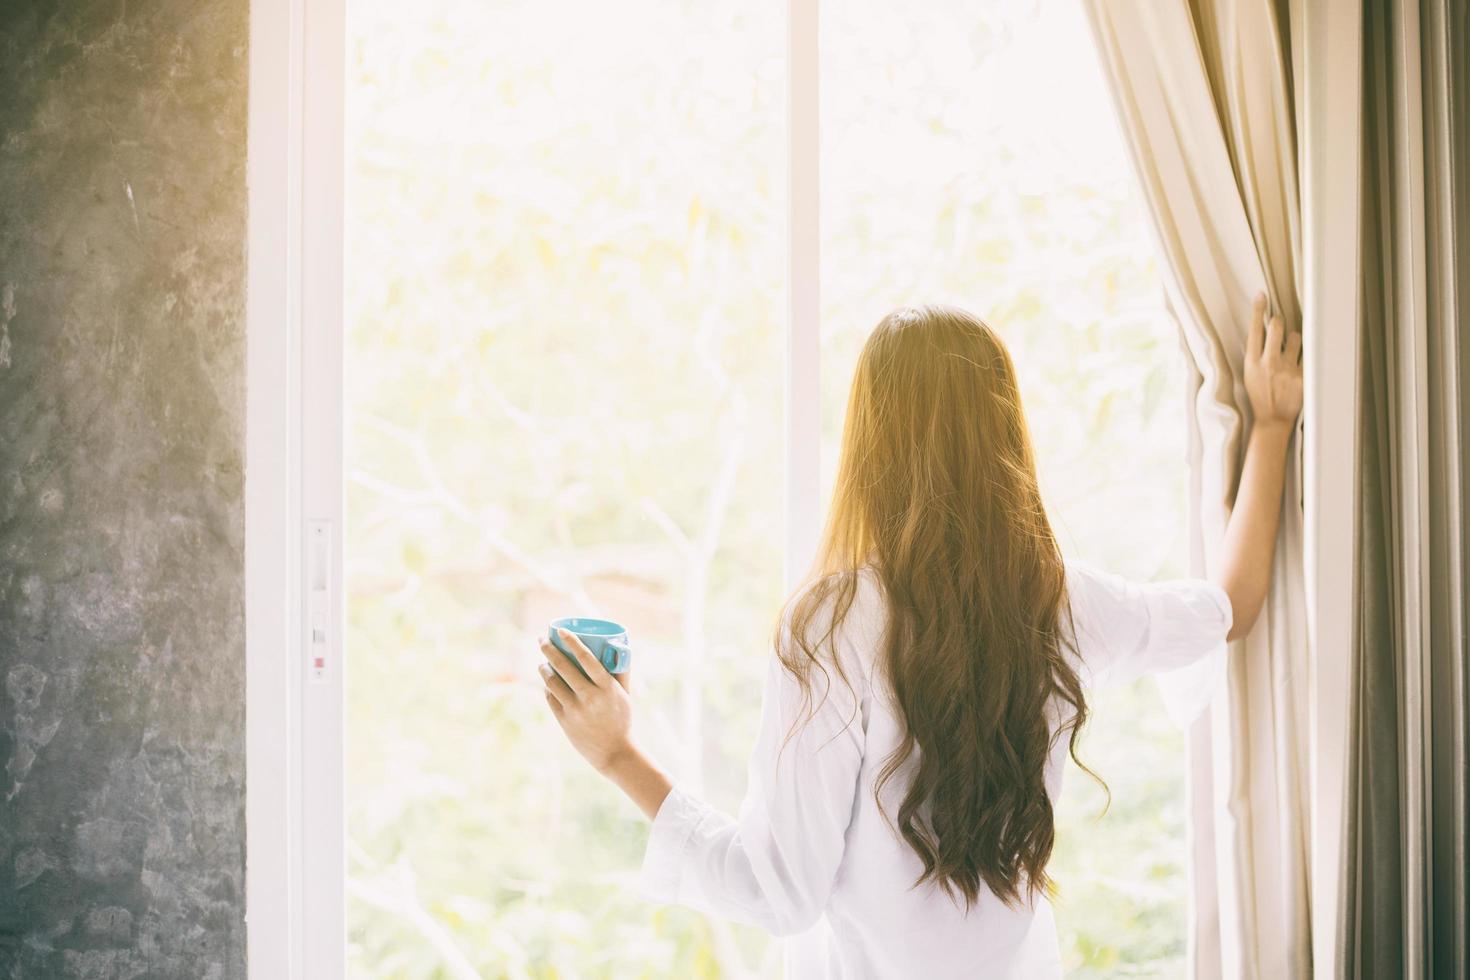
812	859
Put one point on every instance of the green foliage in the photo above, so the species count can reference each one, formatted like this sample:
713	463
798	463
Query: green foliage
567	255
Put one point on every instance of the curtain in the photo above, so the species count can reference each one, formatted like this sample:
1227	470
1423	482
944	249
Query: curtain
1327	819
1406	828
1204	95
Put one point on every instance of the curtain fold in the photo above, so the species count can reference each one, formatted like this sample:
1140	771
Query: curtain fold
1203	91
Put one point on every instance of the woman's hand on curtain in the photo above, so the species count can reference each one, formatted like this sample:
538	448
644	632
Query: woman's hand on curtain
1273	370
1273	381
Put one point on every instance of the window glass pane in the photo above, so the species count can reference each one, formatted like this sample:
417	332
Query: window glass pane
565	265
970	155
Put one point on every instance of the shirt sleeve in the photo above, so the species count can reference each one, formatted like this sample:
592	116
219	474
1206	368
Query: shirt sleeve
774	865
1125	629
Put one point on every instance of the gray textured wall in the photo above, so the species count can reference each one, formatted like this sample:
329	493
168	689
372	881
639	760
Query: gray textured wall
122	260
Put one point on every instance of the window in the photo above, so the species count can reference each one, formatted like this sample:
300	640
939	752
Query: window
566	274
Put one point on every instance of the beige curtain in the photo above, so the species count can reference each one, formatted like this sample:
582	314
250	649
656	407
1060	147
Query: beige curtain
1203	90
1407	830
1328	791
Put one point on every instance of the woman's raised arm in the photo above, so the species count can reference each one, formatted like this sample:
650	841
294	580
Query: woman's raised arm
1273	380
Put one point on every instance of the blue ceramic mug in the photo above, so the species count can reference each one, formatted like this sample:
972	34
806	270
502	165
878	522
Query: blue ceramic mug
607	640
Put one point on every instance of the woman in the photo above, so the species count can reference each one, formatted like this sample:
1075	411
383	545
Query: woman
929	681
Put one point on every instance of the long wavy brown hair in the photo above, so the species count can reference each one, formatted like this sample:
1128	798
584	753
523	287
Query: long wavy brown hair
936	491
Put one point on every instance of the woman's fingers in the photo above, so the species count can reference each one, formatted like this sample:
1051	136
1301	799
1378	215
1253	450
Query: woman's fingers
554	704
596	672
625	679
556	687
1275	337
1293	353
1256	339
569	675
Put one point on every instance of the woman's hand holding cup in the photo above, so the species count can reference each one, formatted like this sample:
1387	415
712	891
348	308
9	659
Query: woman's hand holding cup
591	705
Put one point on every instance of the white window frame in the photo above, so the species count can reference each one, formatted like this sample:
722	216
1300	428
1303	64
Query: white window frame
295	827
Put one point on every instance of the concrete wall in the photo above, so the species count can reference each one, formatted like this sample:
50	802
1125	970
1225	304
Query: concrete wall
122	265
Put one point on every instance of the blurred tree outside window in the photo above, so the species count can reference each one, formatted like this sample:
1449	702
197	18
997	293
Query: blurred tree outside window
566	260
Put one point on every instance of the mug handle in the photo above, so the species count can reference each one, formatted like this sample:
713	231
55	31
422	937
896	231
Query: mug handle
620	652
